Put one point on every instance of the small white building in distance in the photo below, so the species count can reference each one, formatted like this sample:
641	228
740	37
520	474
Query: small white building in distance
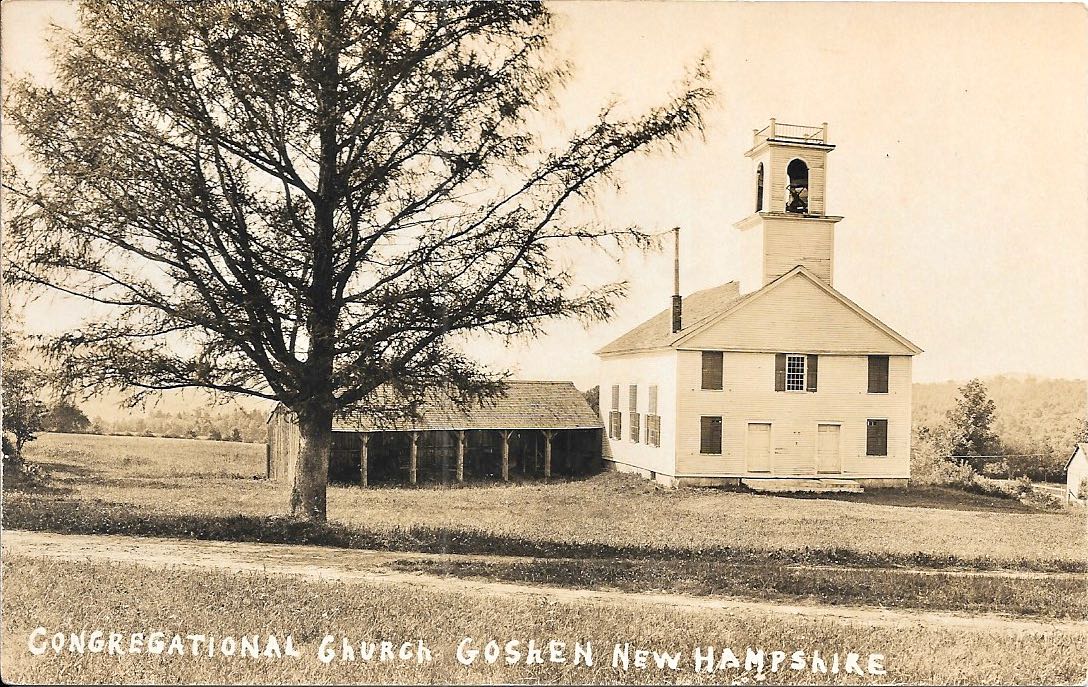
776	375
1076	471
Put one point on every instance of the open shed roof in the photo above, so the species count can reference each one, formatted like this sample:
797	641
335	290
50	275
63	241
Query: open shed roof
525	405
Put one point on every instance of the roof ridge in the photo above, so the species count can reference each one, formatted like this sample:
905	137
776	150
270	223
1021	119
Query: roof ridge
539	381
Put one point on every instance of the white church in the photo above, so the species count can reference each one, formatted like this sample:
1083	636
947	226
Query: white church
773	378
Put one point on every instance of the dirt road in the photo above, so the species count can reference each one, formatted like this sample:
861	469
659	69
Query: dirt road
371	567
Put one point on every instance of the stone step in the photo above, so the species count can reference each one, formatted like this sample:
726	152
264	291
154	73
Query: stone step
813	485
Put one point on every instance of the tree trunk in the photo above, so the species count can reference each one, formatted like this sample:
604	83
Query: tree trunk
311	473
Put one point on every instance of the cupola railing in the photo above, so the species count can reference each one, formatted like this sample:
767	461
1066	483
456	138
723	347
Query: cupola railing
791	133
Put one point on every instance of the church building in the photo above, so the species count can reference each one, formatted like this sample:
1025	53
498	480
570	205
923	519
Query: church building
775	377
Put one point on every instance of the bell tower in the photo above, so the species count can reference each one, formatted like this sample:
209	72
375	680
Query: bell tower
789	225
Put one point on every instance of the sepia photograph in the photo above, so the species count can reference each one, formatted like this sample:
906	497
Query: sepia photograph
522	342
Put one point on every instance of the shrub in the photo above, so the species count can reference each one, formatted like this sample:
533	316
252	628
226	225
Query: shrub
944	473
992	487
930	462
21	475
1022	486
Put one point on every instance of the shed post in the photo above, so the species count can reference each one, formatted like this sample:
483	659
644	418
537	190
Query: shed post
547	454
505	454
413	456
364	439
460	455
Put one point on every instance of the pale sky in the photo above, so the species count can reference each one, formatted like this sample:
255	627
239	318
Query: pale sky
960	167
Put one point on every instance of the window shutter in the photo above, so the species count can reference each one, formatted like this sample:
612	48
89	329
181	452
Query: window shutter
812	372
878	374
712	370
779	371
615	397
876	438
632	398
652	405
710	435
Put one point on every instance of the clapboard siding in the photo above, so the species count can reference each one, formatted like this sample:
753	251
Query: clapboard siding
643	370
750	250
796	316
789	243
749	396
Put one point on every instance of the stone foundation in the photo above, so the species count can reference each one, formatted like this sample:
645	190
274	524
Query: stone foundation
672	481
884	482
706	481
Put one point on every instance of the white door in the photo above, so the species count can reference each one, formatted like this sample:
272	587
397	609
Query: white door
758	447
828	459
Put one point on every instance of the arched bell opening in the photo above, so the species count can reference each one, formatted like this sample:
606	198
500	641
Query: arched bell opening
797	171
759	187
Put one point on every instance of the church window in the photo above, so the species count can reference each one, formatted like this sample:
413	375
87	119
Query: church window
710	435
876	437
878	374
712	370
795	373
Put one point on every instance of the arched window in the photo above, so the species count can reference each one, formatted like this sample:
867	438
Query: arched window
798	188
759	187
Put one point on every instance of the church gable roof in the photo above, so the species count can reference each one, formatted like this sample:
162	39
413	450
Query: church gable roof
656	332
805	315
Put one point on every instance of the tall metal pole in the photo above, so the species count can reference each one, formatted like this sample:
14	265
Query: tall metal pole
676	261
677	304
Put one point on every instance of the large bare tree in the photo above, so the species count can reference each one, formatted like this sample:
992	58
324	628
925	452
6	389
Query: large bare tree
303	201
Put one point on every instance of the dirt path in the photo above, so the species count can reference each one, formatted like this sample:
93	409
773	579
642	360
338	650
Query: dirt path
350	565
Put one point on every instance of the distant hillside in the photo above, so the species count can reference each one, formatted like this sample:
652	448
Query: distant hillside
1033	415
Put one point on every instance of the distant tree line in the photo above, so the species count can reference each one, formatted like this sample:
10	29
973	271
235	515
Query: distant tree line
1002	427
230	425
29	411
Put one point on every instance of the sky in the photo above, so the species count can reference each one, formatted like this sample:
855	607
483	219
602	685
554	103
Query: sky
960	168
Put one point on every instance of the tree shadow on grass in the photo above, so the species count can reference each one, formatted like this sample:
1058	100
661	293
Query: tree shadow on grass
56	467
76	476
134	483
94	516
45	489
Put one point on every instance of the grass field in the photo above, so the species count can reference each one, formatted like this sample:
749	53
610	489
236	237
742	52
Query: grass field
70	597
606	532
148	480
1052	597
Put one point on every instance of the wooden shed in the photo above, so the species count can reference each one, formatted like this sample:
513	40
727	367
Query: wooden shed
536	429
